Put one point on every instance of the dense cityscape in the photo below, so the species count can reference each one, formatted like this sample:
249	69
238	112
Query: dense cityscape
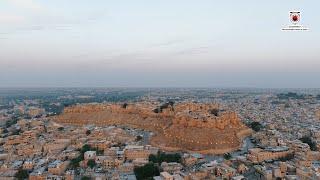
159	90
284	141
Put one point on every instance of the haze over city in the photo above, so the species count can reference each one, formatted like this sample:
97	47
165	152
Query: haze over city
166	43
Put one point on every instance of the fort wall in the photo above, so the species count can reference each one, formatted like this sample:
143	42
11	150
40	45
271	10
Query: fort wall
186	126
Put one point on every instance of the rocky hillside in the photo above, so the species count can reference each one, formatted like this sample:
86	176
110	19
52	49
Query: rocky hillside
186	126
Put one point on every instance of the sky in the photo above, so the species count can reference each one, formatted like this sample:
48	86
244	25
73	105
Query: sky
167	43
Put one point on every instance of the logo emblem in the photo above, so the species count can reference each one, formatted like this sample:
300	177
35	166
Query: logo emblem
295	17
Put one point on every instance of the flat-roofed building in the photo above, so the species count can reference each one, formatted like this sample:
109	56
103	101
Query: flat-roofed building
90	155
257	155
57	167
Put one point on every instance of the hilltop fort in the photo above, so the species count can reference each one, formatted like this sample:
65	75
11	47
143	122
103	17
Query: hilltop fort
193	127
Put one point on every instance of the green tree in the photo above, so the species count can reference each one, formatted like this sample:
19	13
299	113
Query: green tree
139	138
85	178
256	126
227	156
308	140
163	157
91	163
88	132
153	158
22	174
16	132
5	131
85	148
75	162
147	171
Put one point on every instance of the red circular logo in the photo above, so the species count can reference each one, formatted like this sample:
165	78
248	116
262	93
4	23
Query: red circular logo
294	17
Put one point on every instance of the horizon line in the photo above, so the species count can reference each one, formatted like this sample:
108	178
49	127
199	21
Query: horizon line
149	87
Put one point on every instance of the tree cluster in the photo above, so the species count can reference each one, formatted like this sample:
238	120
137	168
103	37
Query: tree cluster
291	95
91	163
163	157
147	171
75	162
256	126
22	174
310	142
227	156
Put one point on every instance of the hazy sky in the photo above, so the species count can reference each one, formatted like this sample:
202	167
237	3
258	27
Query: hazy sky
207	43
